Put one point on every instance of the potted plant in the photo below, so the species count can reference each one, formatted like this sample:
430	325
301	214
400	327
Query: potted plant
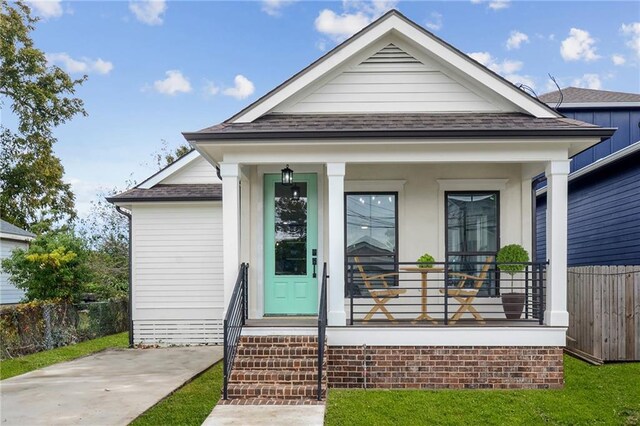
511	259
425	261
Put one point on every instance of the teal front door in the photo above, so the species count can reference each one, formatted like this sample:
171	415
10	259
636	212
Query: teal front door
290	246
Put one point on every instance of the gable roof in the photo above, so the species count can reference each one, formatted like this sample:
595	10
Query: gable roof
321	126
9	231
393	22
169	170
590	97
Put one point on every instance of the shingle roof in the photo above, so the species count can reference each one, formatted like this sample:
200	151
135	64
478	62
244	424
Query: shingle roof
576	95
371	125
8	228
185	192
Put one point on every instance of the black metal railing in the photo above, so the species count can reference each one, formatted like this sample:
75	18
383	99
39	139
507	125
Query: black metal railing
234	321
467	293
322	326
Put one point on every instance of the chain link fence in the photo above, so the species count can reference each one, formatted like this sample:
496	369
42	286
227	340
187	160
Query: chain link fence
37	326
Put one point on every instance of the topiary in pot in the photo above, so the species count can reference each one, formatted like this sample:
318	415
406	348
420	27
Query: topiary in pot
425	261
511	259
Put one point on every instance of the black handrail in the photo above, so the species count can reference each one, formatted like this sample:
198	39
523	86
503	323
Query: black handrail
398	292
322	326
233	322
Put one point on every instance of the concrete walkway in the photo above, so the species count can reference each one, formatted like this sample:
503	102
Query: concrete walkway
258	415
112	387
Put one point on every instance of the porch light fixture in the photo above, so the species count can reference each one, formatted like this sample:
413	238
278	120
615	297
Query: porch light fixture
295	192
287	176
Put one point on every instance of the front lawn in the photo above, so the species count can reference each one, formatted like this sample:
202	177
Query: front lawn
608	394
189	405
24	364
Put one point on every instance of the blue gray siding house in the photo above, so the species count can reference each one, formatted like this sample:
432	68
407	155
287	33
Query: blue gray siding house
604	184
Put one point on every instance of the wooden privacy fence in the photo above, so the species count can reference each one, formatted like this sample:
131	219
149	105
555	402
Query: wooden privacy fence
604	312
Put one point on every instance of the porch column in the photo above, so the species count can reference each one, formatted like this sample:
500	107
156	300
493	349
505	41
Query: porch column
335	177
556	301
230	173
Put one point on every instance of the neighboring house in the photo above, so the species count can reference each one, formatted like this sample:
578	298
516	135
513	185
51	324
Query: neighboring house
604	183
398	137
176	254
11	238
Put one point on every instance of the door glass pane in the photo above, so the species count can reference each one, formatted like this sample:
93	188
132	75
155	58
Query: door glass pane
371	235
290	230
472	222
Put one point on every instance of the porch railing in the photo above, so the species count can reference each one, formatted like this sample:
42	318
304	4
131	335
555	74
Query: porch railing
322	326
234	321
381	291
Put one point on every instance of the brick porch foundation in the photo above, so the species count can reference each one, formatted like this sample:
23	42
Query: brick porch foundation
436	367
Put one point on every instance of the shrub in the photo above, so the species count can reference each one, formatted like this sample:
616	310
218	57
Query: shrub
53	267
512	253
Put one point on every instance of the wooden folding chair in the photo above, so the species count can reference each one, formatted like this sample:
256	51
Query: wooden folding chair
379	295
466	295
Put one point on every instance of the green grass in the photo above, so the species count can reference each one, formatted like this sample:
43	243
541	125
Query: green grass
24	364
189	405
608	394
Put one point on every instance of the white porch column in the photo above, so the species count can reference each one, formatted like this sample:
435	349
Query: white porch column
335	177
556	301
230	173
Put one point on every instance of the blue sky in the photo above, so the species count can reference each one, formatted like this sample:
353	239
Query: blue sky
159	68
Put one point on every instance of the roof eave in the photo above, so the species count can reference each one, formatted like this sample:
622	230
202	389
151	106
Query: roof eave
117	200
601	132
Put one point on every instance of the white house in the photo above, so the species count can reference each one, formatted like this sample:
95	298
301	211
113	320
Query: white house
398	144
11	238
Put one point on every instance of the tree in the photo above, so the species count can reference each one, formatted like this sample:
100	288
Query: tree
53	267
33	195
166	156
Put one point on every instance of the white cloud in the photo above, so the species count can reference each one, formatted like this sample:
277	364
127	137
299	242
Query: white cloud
588	81
499	4
494	4
507	68
516	39
172	85
355	16
578	46
150	12
435	22
46	9
618	59
82	65
243	88
211	89
633	32
274	7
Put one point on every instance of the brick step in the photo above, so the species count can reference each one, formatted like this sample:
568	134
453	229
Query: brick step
278	351
279	340
292	377
244	391
251	363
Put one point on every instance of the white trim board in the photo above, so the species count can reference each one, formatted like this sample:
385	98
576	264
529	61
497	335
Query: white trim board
634	147
447	336
169	170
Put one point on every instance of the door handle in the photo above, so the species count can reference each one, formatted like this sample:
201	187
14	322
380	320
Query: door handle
314	261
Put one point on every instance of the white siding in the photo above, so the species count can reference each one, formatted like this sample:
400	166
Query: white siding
9	293
199	171
177	273
391	81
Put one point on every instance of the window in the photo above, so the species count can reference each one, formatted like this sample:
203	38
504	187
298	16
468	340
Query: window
290	230
472	233
371	233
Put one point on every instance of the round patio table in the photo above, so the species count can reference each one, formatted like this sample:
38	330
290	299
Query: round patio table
424	316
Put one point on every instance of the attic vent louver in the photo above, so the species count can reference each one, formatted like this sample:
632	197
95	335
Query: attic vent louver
392	54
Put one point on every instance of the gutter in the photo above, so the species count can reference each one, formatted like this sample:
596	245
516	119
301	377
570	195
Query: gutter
602	132
116	199
128	216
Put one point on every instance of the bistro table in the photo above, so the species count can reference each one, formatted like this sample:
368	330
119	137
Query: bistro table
424	316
